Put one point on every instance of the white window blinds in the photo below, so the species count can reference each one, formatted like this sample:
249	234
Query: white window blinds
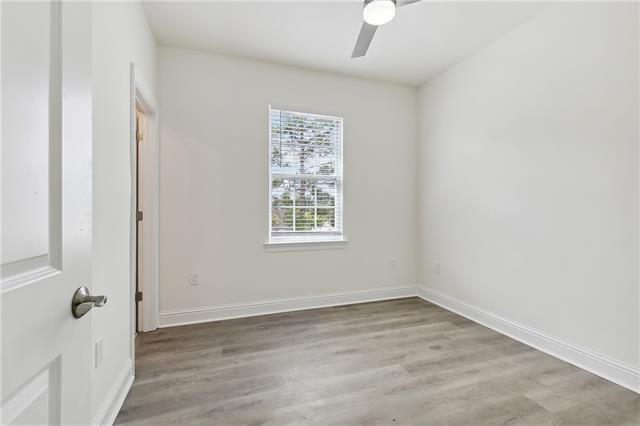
305	175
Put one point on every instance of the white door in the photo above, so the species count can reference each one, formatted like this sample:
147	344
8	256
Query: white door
46	211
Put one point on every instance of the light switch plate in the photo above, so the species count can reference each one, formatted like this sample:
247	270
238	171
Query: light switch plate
99	351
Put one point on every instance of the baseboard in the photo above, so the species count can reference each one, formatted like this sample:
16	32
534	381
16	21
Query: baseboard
222	312
110	408
612	370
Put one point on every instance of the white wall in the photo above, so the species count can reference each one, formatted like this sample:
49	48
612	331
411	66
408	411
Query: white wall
120	36
529	178
214	182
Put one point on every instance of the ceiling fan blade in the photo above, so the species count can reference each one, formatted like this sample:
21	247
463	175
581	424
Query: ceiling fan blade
364	40
400	3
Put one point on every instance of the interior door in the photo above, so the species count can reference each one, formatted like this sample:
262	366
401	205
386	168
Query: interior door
46	211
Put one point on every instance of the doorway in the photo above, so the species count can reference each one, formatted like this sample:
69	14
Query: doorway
144	210
139	134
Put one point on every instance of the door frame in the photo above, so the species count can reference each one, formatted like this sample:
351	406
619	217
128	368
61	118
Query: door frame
143	100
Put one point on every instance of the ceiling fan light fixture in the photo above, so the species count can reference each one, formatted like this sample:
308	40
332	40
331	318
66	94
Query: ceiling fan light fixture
379	12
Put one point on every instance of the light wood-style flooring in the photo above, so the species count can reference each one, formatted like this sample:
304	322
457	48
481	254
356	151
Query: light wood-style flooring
398	362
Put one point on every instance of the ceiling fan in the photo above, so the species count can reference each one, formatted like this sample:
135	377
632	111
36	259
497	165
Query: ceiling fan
375	13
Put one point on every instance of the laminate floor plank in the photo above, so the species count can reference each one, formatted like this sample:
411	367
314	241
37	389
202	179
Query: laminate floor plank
403	361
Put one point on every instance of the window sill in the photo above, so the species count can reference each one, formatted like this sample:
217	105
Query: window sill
289	244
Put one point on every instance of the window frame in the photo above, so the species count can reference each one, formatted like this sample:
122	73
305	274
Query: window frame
308	240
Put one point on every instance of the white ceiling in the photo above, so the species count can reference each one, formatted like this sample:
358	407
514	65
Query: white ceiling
422	40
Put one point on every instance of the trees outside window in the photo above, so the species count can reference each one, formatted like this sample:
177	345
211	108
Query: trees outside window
306	169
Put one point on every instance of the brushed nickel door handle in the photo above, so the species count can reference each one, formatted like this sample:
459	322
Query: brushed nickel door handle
83	301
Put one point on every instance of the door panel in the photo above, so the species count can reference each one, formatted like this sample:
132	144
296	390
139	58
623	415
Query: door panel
37	401
25	81
46	211
30	99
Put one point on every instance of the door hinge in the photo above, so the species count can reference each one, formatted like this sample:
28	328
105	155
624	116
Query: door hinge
139	216
138	296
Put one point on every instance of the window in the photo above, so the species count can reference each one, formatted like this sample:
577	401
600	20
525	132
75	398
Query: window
305	176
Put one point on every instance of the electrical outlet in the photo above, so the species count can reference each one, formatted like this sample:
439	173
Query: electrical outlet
194	278
436	268
99	351
393	263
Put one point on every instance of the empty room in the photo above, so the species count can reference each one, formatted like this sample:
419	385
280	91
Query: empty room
317	212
